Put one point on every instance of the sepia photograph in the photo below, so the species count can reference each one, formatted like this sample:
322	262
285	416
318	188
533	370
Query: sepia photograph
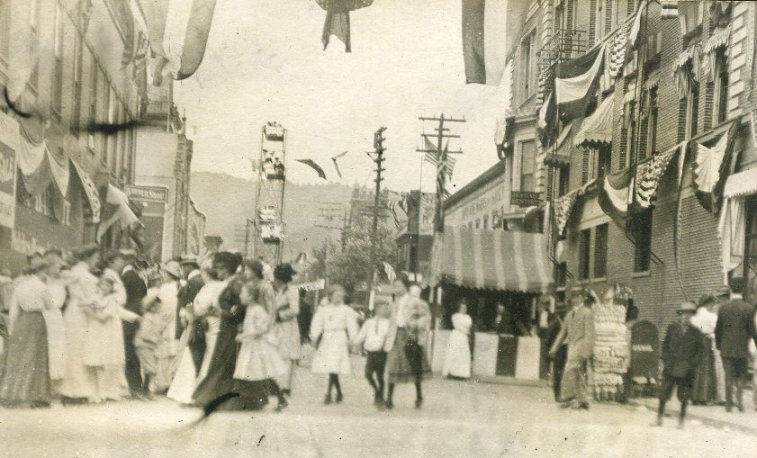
378	228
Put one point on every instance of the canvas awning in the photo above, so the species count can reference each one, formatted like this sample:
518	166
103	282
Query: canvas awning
597	129
499	260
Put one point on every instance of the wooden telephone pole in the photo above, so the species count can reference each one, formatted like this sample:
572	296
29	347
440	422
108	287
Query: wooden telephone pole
378	159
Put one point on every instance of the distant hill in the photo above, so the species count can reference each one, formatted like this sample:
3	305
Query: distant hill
228	200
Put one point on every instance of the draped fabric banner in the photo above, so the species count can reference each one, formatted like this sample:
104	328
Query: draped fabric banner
117	210
563	209
711	167
90	192
575	83
648	175
484	41
615	196
616	53
337	21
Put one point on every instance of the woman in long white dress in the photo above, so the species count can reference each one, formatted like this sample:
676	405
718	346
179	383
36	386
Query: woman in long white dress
457	360
186	379
333	327
78	384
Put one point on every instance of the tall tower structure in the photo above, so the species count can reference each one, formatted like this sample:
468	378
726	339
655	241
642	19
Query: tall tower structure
269	208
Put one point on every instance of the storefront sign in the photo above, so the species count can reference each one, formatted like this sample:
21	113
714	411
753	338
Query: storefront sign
148	193
491	200
7	185
525	199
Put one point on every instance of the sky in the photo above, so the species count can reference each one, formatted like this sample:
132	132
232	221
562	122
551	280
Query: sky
265	62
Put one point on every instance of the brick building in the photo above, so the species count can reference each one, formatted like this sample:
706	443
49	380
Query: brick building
71	65
664	131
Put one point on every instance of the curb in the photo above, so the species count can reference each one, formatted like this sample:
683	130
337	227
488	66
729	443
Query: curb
509	381
704	419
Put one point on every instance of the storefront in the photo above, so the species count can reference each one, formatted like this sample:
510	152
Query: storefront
487	268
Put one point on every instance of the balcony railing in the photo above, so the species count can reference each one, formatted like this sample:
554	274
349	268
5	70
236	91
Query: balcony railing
563	44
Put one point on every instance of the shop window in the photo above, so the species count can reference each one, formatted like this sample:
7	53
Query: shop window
584	254
600	251
527	165
641	232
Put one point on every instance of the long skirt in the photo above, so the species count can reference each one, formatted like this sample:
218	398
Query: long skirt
78	381
457	360
27	375
185	378
704	389
402	367
211	336
219	380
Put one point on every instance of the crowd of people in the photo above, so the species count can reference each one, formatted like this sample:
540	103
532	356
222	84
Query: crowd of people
705	353
221	329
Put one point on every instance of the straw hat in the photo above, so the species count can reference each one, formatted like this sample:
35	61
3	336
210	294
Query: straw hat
173	268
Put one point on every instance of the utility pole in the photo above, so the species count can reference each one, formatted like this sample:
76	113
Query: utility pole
378	158
440	154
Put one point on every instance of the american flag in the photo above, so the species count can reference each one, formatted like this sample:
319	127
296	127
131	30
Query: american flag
431	158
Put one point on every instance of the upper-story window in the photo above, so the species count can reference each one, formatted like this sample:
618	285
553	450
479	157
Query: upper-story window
528	59
720	102
528	166
34	35
690	15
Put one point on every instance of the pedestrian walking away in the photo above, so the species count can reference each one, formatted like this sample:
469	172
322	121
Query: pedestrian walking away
681	354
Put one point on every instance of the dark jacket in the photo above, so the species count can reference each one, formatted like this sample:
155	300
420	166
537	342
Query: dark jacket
682	350
734	329
136	290
186	295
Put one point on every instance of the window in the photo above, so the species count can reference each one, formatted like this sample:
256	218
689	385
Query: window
562	184
693	111
57	98
528	53
609	16
600	251
652	122
94	72
486	222
586	165
721	88
584	254
77	73
5	25
527	165
478	223
562	274
641	232
690	15
65	218
33	26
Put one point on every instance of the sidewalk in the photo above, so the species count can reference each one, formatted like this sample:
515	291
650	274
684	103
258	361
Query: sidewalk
713	415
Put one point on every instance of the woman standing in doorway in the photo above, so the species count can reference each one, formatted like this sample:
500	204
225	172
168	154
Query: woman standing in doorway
410	322
286	328
457	360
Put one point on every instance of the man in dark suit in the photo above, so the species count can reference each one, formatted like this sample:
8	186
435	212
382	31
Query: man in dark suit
194	282
681	352
734	329
136	289
561	355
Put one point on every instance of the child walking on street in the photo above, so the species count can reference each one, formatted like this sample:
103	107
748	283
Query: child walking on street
681	352
373	337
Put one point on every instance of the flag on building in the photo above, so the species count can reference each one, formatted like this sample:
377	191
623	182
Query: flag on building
484	33
576	82
117	209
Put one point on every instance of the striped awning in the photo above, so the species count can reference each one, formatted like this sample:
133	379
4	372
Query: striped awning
597	129
493	259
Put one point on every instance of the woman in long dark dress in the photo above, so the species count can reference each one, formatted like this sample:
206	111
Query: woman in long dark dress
26	379
219	380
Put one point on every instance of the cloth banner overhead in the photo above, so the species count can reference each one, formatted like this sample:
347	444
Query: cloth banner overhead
615	196
648	175
179	32
484	41
337	21
575	83
712	165
312	164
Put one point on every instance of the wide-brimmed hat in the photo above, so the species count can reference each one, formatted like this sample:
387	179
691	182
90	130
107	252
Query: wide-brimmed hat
173	268
189	260
687	307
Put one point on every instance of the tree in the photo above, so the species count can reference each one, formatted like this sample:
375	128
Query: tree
351	267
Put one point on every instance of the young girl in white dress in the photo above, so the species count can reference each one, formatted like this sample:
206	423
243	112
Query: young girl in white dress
333	327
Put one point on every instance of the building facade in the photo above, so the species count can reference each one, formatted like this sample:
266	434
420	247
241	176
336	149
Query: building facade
71	66
416	237
645	167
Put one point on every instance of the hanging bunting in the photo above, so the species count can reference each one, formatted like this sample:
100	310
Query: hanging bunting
338	20
90	191
648	175
615	195
712	164
575	83
563	209
117	210
484	44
